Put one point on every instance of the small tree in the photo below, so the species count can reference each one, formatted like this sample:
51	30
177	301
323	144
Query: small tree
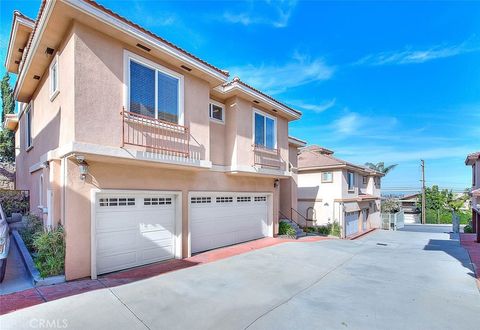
7	138
390	205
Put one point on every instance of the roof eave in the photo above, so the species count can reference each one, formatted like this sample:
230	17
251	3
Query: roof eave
18	18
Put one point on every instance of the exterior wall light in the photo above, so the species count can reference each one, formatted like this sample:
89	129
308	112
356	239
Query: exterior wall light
82	166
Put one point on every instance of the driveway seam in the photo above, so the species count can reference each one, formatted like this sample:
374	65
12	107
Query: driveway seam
120	300
301	291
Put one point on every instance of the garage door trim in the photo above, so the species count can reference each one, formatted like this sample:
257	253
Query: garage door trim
96	193
194	194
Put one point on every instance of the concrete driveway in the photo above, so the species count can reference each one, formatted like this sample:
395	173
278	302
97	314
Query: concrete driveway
386	280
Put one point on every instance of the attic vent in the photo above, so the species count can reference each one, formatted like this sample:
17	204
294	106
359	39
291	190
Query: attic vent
20	50
17	62
36	77
274	110
186	68
255	101
382	244
49	51
143	47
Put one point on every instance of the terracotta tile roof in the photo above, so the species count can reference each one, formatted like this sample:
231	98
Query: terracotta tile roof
363	197
237	80
318	157
471	157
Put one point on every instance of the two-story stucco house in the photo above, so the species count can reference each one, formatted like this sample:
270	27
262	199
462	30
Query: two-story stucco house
333	190
142	151
473	160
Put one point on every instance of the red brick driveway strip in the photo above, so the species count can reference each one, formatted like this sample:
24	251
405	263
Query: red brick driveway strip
38	295
468	241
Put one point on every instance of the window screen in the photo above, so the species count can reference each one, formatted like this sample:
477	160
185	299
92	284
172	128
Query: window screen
142	89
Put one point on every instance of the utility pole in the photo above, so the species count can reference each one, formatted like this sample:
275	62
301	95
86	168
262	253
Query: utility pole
423	192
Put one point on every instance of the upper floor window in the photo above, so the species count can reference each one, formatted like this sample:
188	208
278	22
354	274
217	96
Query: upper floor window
54	78
216	111
327	177
365	179
351	181
28	128
474	175
377	182
265	130
154	91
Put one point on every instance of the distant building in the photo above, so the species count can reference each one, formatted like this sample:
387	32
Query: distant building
409	206
473	160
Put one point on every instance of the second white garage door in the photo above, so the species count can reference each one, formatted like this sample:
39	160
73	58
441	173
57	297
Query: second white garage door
351	223
220	219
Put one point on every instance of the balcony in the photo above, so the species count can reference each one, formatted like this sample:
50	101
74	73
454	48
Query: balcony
268	158
160	140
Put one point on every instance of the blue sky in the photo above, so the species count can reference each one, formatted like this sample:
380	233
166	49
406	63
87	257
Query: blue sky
376	81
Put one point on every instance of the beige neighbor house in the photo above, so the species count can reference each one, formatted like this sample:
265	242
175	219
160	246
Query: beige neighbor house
333	190
473	160
142	151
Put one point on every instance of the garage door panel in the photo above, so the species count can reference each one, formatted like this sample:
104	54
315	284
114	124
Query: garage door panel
133	235
219	223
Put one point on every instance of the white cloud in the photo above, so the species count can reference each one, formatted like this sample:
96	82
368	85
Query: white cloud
317	107
355	124
411	56
273	13
275	79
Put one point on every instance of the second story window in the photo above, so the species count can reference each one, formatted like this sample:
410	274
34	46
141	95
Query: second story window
28	128
154	91
474	179
351	181
265	131
216	111
365	179
54	78
327	177
377	182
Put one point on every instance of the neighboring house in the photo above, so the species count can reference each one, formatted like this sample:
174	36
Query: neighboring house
333	190
473	160
409	206
142	151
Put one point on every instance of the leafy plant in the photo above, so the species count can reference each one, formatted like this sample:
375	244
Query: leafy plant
324	230
468	229
390	205
7	138
284	228
380	167
332	229
33	227
14	201
309	229
50	248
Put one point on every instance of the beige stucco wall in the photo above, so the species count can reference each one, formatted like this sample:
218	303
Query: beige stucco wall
289	187
52	126
106	176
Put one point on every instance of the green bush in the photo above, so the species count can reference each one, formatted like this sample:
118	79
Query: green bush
445	216
14	201
50	248
468	229
33	226
335	229
324	230
309	229
284	228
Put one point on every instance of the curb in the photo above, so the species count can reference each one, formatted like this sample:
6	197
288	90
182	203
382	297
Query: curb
37	280
362	234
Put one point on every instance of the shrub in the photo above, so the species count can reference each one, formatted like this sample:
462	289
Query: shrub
50	248
284	228
33	226
468	229
309	229
324	230
14	201
390	205
333	229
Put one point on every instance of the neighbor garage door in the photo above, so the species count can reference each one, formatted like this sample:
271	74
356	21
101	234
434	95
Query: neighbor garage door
133	229
351	223
220	219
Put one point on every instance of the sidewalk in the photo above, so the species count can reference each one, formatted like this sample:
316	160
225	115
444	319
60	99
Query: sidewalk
16	276
468	241
38	295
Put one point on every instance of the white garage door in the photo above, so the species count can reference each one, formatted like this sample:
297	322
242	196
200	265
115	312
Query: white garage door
220	219
133	229
351	223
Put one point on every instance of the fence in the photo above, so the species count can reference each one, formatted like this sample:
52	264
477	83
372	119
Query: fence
393	221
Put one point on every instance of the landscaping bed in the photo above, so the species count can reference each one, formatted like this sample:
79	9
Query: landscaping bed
42	251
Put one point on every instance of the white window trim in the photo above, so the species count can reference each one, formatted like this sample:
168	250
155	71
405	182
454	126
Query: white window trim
28	128
265	131
127	57
54	93
218	104
326	181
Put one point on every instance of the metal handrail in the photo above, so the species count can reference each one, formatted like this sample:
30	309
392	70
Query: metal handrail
291	214
289	218
166	136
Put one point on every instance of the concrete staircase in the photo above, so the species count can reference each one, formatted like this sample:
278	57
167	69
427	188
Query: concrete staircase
299	231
